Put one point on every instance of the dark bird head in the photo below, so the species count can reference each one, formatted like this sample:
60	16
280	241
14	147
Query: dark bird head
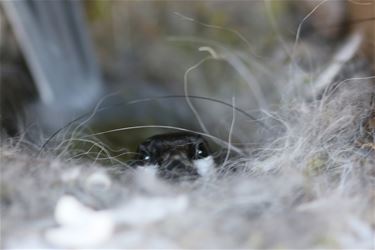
176	156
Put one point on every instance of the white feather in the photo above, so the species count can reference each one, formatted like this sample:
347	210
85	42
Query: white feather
205	166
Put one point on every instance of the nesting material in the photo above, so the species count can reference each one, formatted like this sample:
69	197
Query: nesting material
311	187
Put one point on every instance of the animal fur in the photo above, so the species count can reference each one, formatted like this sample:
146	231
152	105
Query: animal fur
307	182
312	187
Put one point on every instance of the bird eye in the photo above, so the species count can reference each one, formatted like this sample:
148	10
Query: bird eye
146	157
201	151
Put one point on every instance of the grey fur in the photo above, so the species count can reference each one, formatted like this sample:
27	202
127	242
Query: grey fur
313	187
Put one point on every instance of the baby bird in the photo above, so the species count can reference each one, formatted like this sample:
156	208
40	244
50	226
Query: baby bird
176	156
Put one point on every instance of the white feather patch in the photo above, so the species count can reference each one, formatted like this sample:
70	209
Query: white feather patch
148	170
205	166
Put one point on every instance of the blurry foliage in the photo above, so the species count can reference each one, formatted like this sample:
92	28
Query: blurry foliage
153	43
145	48
136	32
97	10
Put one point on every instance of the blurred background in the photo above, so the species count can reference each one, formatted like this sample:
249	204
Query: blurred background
112	60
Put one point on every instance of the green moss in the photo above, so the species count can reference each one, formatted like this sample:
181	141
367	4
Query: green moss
316	164
327	242
97	9
279	7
